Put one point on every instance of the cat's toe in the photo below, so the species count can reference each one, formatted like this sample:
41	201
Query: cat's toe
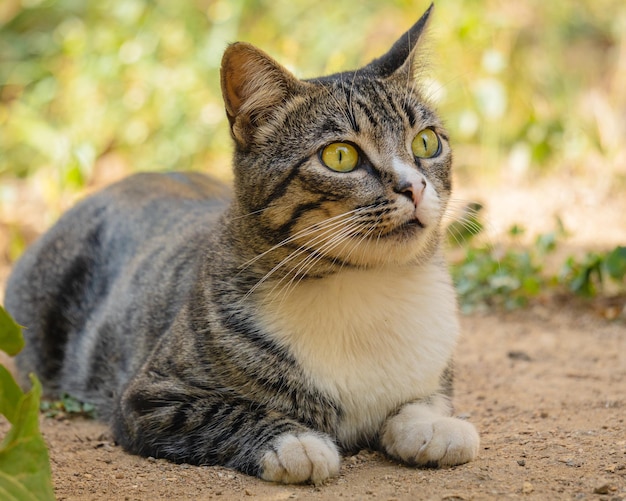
453	442
298	458
445	441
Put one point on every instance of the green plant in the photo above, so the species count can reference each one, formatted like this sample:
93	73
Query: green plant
491	276
67	406
497	276
24	463
589	276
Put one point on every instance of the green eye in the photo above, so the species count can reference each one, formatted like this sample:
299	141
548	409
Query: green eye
340	157
426	144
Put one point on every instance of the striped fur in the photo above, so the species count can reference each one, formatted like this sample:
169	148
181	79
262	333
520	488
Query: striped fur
307	313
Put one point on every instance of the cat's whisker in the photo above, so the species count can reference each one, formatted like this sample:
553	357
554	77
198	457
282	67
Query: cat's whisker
282	288
365	235
250	214
326	242
310	261
410	89
323	225
468	221
334	241
463	229
355	244
327	247
350	106
464	205
456	235
298	252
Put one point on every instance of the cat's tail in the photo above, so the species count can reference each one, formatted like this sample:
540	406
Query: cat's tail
50	290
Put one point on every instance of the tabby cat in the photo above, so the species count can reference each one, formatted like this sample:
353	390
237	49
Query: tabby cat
308	314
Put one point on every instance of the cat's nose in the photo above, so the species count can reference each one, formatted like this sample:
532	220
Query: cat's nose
412	190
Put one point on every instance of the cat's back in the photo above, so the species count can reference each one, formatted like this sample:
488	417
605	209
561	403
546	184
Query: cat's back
167	188
147	233
172	200
119	222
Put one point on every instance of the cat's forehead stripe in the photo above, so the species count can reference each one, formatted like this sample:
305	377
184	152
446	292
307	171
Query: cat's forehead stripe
374	104
364	108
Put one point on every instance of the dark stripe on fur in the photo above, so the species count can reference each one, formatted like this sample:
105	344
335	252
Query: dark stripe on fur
367	112
281	187
285	230
409	113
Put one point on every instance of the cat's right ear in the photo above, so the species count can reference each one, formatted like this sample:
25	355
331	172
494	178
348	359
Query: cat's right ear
253	85
401	58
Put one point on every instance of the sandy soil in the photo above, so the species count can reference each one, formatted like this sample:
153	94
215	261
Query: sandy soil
546	387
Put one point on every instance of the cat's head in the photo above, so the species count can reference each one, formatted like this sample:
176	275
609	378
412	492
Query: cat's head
351	169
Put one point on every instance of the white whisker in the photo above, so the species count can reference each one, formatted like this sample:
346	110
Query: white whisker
328	230
250	213
310	261
327	223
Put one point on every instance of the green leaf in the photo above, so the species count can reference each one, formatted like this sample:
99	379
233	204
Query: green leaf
516	230
546	242
11	339
24	464
616	263
10	395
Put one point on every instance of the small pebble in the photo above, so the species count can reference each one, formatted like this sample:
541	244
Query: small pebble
603	489
519	355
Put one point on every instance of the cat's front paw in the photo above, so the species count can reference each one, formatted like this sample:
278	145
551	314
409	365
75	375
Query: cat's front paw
430	440
303	457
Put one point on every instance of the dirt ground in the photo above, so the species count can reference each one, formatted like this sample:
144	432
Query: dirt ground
545	386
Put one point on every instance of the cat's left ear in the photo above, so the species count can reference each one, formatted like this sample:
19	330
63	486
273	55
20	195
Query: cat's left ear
253	85
400	60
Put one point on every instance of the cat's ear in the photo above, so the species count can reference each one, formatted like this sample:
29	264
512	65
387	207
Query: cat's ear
400	60
253	84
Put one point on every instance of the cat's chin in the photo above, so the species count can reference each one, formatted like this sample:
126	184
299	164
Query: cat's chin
411	242
404	231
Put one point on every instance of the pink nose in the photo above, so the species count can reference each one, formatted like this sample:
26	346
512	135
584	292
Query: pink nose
412	191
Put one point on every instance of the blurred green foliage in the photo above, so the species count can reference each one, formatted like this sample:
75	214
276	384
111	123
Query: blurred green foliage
67	406
491	276
91	88
589	275
521	84
509	277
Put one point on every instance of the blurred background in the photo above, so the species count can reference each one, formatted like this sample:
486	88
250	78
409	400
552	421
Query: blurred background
533	93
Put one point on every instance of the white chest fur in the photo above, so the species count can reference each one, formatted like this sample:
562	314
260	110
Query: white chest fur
372	339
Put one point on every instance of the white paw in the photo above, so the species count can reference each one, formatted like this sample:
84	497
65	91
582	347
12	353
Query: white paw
438	441
305	457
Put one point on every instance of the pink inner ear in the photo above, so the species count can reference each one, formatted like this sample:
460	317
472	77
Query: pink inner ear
233	75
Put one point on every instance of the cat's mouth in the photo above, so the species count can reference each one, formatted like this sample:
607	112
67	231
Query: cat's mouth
406	229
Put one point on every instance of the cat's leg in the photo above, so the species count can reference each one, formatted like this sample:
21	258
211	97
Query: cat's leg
166	418
423	433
